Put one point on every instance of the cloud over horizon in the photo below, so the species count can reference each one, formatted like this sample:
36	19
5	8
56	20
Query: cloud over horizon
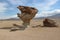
45	7
3	7
48	13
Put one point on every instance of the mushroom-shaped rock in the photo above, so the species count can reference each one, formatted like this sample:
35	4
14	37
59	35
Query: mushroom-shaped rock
27	13
49	23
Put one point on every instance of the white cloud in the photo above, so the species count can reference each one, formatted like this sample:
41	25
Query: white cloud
17	2
42	14
45	5
13	16
5	17
48	13
44	8
3	7
51	2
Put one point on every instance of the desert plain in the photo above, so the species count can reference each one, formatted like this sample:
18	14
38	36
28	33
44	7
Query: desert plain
33	32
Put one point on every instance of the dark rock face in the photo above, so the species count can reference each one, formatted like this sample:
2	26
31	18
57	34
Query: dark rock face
27	13
49	23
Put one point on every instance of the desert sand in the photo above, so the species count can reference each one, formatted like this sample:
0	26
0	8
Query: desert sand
30	33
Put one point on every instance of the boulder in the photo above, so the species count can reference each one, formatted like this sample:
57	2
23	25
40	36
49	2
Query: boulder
27	13
49	23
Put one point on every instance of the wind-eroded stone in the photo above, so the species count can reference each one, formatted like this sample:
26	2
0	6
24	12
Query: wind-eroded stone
27	13
49	23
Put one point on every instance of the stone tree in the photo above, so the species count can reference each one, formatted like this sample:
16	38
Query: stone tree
27	13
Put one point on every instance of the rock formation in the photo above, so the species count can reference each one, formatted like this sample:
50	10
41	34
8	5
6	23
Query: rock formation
49	23
27	13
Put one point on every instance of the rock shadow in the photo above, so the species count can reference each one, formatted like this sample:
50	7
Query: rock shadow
14	28
43	26
36	26
6	28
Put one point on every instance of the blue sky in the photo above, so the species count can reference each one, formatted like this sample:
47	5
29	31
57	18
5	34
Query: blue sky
8	8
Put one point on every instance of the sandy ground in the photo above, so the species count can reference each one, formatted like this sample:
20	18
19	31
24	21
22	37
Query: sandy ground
37	33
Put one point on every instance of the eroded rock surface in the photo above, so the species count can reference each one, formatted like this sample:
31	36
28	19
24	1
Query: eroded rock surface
27	13
49	23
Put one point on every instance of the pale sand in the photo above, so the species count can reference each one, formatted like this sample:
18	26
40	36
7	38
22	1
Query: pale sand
38	33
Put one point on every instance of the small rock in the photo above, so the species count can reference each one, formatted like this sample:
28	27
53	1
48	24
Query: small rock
49	23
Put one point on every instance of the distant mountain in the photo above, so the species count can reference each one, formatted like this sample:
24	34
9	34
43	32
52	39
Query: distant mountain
11	19
57	16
